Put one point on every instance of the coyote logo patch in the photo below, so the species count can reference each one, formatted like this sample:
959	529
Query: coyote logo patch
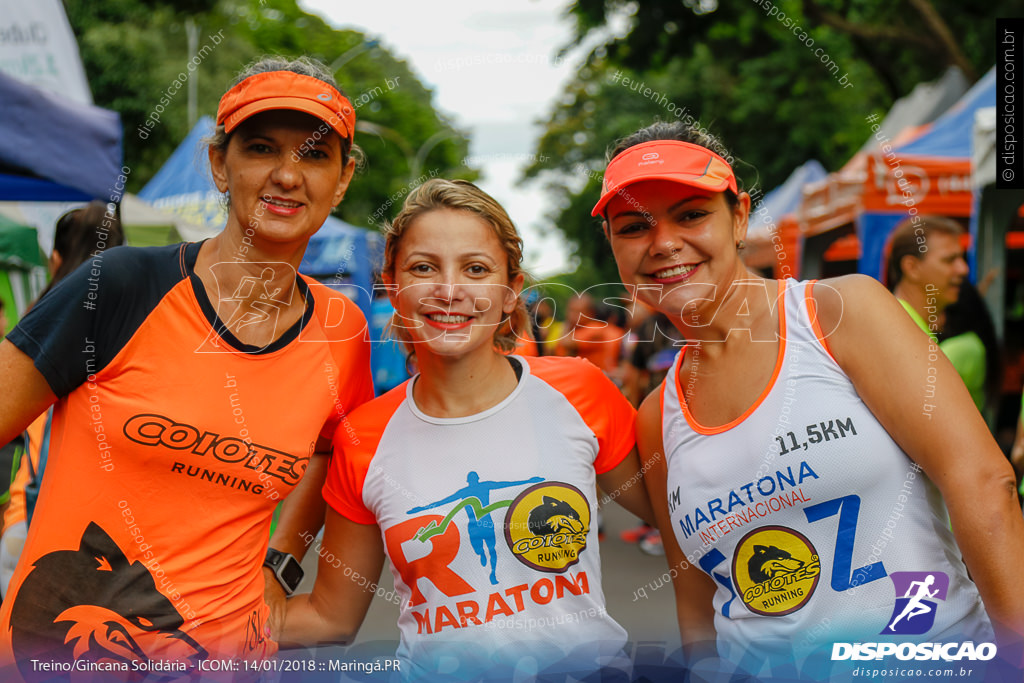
776	570
547	525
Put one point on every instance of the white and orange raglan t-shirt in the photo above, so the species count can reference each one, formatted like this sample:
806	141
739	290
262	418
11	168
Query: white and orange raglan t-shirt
490	521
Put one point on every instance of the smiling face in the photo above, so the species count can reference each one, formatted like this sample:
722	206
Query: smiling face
676	243
283	170
453	289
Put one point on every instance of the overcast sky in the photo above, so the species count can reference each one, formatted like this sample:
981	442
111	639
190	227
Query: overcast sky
493	69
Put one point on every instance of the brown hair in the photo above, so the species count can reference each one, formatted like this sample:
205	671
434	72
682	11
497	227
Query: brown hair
82	233
461	195
910	238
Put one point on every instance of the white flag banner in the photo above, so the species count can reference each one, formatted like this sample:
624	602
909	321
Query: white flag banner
38	47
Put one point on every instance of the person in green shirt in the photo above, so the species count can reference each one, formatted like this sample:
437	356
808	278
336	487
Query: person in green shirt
968	339
926	271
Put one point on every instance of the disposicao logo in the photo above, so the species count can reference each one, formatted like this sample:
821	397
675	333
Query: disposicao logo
947	652
916	596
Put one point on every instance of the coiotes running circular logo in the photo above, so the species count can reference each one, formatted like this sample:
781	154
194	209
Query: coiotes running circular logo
776	570
546	526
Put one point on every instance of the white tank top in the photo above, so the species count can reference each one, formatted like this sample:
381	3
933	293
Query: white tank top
809	518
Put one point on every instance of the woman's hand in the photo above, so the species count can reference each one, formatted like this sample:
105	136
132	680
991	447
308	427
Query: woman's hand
274	596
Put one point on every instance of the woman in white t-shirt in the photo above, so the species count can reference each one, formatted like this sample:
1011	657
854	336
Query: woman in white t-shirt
478	476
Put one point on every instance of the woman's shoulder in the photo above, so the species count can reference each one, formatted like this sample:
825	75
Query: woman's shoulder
378	411
849	285
135	265
359	432
649	414
838	297
565	370
855	313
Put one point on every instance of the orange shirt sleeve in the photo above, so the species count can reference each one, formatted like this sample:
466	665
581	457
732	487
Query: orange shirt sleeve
354	446
599	402
350	376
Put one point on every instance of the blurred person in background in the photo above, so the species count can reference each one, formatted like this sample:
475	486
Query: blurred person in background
968	338
78	235
545	326
657	343
926	271
925	268
588	333
387	358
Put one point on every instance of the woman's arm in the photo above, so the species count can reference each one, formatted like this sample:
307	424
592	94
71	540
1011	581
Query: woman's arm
302	512
693	588
300	520
25	395
624	484
890	362
346	580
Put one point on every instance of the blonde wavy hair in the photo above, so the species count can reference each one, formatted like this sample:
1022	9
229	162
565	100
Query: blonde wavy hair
460	195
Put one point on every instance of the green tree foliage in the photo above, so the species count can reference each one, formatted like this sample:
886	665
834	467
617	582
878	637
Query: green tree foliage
134	51
777	91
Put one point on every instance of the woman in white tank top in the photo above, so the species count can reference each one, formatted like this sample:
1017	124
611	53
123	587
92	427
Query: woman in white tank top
803	451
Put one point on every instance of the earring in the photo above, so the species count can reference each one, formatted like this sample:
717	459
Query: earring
740	245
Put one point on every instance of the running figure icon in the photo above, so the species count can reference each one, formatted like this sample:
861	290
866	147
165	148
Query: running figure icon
915	606
475	498
256	302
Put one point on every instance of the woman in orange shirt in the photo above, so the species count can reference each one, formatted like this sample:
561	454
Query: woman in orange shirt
171	371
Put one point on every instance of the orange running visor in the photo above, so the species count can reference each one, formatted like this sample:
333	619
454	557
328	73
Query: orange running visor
680	162
286	90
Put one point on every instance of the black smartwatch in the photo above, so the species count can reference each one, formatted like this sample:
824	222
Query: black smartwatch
286	568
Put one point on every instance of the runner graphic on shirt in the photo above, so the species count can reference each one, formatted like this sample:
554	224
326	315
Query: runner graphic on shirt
475	497
254	309
914	606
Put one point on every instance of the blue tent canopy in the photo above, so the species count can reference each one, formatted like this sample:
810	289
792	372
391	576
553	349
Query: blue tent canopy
785	198
53	149
344	257
340	255
949	137
183	185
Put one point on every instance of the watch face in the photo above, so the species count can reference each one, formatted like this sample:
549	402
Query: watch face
291	572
